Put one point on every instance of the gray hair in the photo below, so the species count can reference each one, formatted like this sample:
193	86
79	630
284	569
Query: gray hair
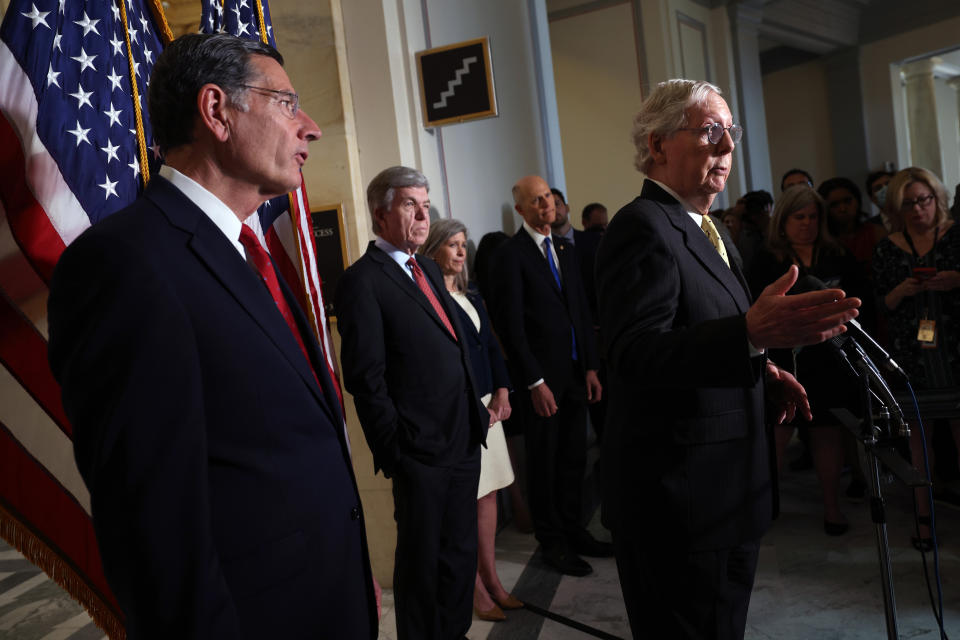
380	190
664	111
440	232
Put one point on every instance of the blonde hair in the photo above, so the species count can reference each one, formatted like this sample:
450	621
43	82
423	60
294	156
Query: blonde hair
899	183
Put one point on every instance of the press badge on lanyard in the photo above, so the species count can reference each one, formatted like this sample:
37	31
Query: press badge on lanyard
927	329
927	333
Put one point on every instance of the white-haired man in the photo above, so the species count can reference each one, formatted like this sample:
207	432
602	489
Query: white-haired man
687	478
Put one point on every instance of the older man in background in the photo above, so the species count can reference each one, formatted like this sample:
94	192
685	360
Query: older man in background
405	362
543	321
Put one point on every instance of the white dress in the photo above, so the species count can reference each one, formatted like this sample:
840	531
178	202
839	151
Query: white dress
495	470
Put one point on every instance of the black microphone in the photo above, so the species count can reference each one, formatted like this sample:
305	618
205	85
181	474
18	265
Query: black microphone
812	283
847	346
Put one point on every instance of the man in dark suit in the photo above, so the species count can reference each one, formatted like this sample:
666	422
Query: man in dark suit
405	362
544	324
205	424
594	216
687	481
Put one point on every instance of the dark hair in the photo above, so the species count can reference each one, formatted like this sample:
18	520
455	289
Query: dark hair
841	183
588	211
188	63
757	199
755	205
873	176
559	194
483	263
793	171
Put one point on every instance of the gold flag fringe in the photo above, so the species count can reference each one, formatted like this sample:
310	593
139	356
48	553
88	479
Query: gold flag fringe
263	26
166	33
37	552
135	93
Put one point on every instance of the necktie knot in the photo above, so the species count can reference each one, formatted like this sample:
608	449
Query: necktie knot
706	224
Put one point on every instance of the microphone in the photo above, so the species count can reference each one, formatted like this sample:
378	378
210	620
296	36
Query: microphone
881	392
812	283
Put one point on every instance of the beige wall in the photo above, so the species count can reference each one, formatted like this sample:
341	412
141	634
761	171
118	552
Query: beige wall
603	67
598	92
798	122
882	94
308	38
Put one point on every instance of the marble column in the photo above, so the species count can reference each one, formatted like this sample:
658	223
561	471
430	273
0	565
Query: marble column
954	83
922	120
745	17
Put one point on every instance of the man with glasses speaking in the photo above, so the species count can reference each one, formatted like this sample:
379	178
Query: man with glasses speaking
687	483
206	425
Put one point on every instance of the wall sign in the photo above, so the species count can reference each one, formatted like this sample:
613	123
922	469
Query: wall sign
331	250
456	83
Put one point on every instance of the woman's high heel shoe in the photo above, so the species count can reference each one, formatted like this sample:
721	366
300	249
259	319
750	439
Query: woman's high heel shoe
491	615
509	602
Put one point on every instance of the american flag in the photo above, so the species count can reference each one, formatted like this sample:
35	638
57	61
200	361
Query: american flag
75	146
283	224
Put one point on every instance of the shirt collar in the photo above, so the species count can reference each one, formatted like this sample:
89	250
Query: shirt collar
397	255
538	237
695	215
213	207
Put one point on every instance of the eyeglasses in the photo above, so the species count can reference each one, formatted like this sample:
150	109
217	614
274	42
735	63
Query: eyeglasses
922	201
289	101
715	132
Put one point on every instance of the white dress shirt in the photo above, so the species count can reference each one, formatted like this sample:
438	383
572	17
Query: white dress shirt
214	208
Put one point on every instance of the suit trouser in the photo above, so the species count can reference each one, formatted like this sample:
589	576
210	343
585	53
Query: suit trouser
436	557
556	449
689	595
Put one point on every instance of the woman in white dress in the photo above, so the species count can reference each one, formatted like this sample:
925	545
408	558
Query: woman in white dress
447	246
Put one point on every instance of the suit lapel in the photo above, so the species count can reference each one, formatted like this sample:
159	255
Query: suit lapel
406	284
222	259
698	245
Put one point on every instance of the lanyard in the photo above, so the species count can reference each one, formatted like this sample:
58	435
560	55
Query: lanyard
913	249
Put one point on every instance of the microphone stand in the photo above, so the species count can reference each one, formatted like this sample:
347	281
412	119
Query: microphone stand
874	451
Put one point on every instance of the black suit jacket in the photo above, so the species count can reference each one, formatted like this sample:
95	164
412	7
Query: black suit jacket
684	442
533	315
411	382
587	244
489	369
223	497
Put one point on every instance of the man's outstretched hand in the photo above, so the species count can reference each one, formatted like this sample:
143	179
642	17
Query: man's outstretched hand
779	321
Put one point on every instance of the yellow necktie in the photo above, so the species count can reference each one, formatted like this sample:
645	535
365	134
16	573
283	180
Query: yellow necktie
714	237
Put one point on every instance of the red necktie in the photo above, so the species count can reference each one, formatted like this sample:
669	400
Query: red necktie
261	260
421	281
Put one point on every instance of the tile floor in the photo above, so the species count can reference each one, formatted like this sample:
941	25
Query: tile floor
809	585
